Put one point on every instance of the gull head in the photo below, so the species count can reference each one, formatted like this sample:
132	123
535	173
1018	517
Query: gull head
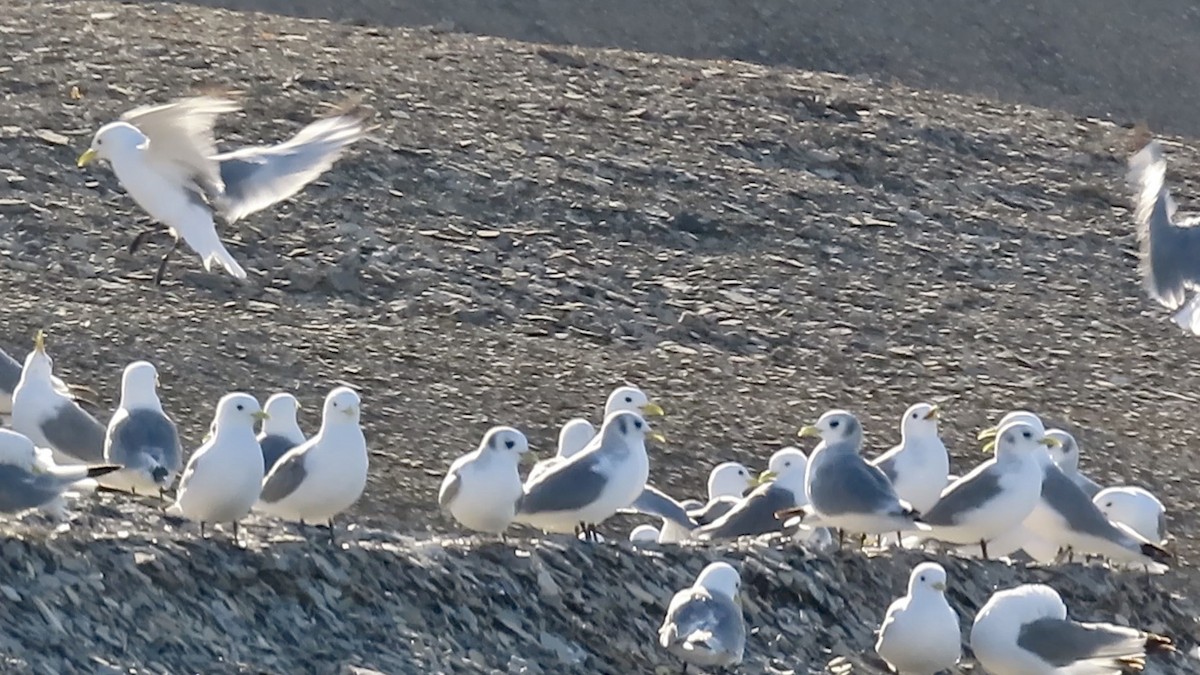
506	441
139	385
1135	508
787	467
729	479
920	421
112	141
281	413
38	363
1066	455
720	578
1014	416
341	407
1018	440
629	427
574	436
835	426
237	410
17	450
927	577
631	399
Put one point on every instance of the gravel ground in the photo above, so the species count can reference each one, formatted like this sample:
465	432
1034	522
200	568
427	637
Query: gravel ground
534	225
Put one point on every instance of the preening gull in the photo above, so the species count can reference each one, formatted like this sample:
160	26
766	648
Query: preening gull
1135	508
29	478
45	412
920	634
704	624
482	488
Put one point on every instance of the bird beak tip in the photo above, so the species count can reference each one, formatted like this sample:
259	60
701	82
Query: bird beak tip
86	158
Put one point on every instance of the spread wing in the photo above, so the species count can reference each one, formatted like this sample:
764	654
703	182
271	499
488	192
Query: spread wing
181	138
1170	249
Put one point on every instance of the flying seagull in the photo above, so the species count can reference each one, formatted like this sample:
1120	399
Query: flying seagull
165	157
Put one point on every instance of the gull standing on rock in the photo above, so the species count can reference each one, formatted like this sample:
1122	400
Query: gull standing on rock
324	476
141	437
280	431
1066	457
997	496
920	633
919	466
482	488
10	377
577	433
782	489
1025	631
224	476
166	159
590	487
29	479
704	625
45	412
843	490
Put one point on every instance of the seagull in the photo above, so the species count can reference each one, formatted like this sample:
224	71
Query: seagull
1170	243
1066	456
29	478
46	413
591	486
845	492
280	432
704	624
141	437
997	495
10	376
165	157
482	488
919	466
1025	631
920	633
325	475
224	476
578	432
1136	509
782	489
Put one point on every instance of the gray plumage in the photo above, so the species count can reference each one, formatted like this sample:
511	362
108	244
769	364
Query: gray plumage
1070	502
1062	642
274	447
965	496
572	485
287	476
712	615
654	502
752	516
22	490
72	431
10	375
888	466
1170	245
714	509
845	483
146	441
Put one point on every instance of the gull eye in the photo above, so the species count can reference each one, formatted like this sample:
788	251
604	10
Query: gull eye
628	399
922	578
638	424
509	444
834	424
240	407
1108	505
1028	434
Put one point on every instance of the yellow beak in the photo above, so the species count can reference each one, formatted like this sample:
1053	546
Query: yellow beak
809	430
989	432
652	409
527	458
940	586
764	477
655	436
990	446
1050	442
260	416
86	158
39	342
932	414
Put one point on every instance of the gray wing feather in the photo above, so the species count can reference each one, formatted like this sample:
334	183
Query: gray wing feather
754	515
1089	486
713	510
716	614
1162	528
1066	498
567	487
845	483
965	495
1062	642
653	502
887	464
1170	254
274	447
257	177
74	432
21	490
10	373
287	475
143	439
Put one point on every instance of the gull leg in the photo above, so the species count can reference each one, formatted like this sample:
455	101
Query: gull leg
841	538
141	238
332	533
235	534
162	266
983	548
202	530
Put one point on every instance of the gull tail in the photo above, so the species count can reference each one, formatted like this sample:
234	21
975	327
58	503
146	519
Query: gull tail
1156	553
102	470
700	640
223	258
1188	316
1158	644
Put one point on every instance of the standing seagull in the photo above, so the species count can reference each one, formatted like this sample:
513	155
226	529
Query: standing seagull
920	633
223	477
10	377
592	486
1066	456
1170	245
919	466
280	432
140	435
166	158
30	480
482	488
325	475
577	433
704	624
1025	631
49	416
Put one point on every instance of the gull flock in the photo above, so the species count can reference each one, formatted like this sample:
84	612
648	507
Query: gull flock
1029	499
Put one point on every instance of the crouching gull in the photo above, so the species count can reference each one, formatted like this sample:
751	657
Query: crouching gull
165	157
1025	631
782	488
49	416
29	479
920	634
481	489
704	624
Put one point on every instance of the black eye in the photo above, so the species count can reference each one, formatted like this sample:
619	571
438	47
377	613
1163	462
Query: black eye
638	424
834	424
1028	434
628	400
914	416
1108	505
922	578
240	406
509	444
